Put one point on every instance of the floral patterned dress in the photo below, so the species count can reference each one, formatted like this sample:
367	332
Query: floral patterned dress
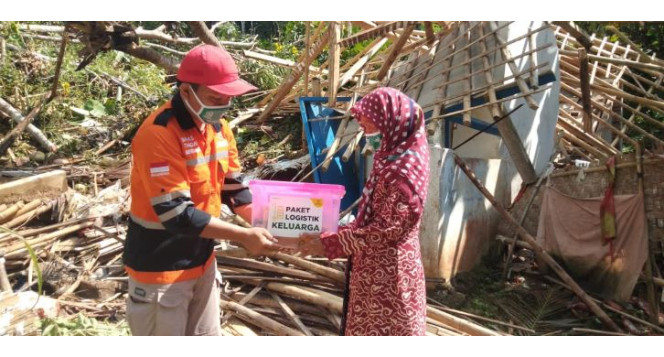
386	290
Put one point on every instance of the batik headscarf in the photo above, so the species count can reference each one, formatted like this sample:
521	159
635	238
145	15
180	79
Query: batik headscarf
403	155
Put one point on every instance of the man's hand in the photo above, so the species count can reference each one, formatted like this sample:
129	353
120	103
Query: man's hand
310	244
259	241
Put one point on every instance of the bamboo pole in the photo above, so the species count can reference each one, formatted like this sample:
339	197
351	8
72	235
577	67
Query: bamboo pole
313	267
262	300
352	146
28	216
493	321
18	250
11	211
538	249
266	267
4	280
335	144
29	207
570	125
31	232
291	315
310	295
591	149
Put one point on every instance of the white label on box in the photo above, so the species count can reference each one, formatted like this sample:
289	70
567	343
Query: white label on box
290	216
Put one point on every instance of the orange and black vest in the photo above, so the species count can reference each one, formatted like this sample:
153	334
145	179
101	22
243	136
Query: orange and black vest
177	177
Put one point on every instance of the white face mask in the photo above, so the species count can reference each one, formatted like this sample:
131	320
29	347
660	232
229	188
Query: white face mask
208	113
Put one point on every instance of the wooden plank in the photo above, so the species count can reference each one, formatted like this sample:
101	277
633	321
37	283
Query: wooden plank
334	59
585	90
428	28
46	184
281	62
307	44
394	52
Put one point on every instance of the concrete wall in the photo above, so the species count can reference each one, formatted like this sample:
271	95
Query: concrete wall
459	221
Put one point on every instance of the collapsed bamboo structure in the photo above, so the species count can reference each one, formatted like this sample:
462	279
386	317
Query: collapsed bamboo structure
609	91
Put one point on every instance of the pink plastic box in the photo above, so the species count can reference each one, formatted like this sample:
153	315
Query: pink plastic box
287	209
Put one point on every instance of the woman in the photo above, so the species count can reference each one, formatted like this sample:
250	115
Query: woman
385	290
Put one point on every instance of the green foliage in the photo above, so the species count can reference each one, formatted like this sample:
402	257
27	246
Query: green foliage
31	254
81	325
649	36
540	310
26	79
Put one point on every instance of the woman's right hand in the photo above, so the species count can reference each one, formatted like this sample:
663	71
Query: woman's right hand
310	244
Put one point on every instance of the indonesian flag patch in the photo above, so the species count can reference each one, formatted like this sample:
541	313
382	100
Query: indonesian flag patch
159	169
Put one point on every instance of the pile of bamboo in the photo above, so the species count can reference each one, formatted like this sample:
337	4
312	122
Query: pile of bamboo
289	295
68	251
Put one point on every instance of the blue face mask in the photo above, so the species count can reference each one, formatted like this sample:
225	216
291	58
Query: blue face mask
374	139
208	113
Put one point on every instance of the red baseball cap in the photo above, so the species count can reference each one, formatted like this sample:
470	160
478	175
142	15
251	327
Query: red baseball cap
214	68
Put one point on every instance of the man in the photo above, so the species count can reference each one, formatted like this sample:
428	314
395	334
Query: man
185	163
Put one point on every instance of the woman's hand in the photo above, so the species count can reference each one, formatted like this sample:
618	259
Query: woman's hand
310	244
